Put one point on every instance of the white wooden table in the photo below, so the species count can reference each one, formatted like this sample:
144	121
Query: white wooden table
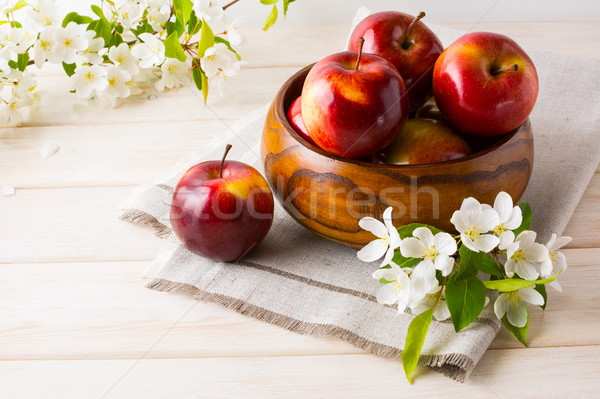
76	320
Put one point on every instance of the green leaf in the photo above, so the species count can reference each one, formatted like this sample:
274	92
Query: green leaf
97	10
527	217
207	39
488	266
269	2
514	284
468	264
196	74
173	48
541	288
219	39
74	17
520	333
12	64
285	7
102	28
271	18
465	299
407	229
404	262
182	10
69	68
204	80
194	24
20	4
22	61
417	330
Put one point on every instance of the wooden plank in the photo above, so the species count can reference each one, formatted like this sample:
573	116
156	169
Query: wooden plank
71	225
584	225
551	372
99	310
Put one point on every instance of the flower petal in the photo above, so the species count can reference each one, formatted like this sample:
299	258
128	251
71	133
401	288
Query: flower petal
546	267
526	238
441	311
444	264
517	314
503	204
469	205
487	242
537	253
510	267
412	248
515	219
372	251
561	261
501	305
423	278
444	243
488	220
506	239
386	295
425	235
458	222
529	294
556	285
388	274
389	254
561	242
374	226
527	271
469	243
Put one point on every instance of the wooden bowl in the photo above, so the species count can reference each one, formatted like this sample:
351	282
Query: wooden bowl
328	194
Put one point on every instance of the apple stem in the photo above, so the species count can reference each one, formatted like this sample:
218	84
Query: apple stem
362	42
227	148
405	43
498	71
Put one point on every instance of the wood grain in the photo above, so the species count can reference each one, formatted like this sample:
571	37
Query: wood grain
70	280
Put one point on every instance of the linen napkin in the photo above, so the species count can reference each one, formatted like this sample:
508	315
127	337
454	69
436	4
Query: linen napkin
304	283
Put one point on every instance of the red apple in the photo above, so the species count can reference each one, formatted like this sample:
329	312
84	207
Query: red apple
353	104
424	141
222	209
294	115
407	43
485	84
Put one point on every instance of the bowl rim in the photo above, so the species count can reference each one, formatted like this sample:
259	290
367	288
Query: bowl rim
282	115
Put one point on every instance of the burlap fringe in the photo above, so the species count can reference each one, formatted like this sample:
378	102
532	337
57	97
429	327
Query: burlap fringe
139	217
453	365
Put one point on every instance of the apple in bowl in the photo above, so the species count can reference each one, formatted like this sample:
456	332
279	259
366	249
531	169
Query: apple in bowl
354	104
407	43
485	84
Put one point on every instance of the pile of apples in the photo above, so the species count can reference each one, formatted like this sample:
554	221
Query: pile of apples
374	101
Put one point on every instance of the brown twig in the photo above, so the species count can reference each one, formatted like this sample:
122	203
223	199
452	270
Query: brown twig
230	4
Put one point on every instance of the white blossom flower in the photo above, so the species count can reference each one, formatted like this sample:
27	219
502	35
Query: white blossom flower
7	5
209	10
44	48
398	290
121	55
174	73
88	80
473	222
128	13
28	39
441	311
68	41
233	33
117	82
435	252
11	113
151	52
510	216
91	53
157	16
556	260
45	13
219	63
512	304
387	240
522	253
9	39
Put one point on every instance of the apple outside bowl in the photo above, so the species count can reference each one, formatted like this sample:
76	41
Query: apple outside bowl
329	194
